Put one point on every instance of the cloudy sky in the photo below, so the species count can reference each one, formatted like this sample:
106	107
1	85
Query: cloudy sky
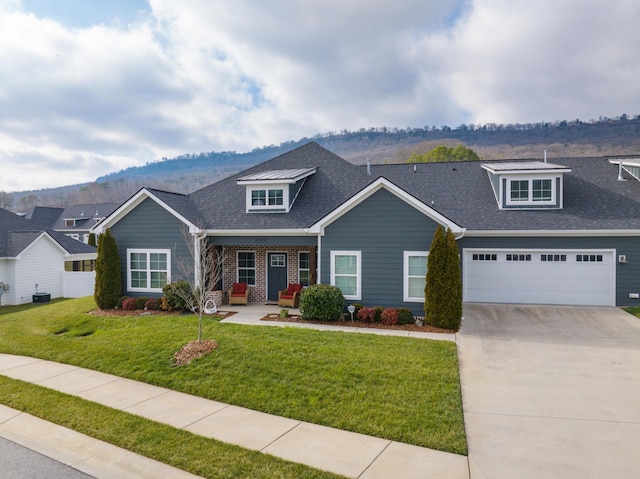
88	87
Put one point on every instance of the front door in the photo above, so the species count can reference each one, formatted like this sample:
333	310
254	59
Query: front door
276	274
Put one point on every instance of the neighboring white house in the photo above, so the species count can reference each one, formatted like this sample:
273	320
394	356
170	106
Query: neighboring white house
32	260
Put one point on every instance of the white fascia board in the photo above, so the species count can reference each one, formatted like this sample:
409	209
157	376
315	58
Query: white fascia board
131	204
82	256
383	183
542	233
282	232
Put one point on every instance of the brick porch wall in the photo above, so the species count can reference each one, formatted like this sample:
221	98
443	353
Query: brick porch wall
258	293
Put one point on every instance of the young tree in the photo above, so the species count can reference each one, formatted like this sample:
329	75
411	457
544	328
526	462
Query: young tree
108	286
202	270
91	241
443	289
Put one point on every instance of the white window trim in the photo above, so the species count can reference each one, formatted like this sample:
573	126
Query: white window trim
284	207
255	265
405	275
147	252
358	255
530	180
300	253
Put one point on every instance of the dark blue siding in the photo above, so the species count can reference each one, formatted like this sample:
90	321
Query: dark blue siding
382	228
149	226
627	274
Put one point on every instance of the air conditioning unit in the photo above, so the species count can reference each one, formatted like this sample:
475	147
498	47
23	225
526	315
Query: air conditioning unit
622	258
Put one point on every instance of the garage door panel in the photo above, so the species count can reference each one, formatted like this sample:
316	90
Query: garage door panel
541	280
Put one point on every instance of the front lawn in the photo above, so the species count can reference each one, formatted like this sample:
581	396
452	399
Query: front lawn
401	389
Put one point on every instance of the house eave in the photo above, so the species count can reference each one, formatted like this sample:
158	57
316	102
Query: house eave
270	232
552	233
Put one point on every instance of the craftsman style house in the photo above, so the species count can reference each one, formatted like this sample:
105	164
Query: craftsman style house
566	232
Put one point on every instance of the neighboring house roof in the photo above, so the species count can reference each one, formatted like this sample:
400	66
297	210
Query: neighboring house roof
44	215
84	217
453	193
17	233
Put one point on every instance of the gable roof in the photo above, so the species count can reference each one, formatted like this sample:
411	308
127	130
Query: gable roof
177	204
84	214
17	233
457	194
335	180
594	199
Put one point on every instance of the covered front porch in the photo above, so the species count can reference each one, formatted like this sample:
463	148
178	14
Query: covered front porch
266	269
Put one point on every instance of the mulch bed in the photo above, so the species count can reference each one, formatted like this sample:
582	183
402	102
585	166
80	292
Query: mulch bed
359	324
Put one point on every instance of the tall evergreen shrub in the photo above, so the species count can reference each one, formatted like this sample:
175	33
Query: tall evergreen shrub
108	287
91	241
443	289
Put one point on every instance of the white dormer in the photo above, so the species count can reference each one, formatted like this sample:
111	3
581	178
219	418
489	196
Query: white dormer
527	184
273	191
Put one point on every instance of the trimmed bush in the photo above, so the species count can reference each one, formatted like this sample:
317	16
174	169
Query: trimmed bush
389	317
120	301
108	285
443	290
378	316
366	315
140	302
405	316
174	300
321	301
130	304
151	304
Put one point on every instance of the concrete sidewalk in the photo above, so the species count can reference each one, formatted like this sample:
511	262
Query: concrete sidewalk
350	454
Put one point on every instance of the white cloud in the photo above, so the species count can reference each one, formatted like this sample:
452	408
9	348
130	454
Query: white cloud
192	76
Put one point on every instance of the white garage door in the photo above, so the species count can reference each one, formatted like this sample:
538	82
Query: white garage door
571	277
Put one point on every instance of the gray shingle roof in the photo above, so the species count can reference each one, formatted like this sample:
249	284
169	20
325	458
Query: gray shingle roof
16	233
460	191
336	180
44	215
84	214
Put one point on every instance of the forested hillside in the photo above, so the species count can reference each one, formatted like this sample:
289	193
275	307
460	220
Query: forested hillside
189	172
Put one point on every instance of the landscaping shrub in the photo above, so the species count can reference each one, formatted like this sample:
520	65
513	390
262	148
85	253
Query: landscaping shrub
151	304
378	316
140	302
130	304
120	301
321	301
443	289
405	316
174	300
108	284
366	315
164	304
389	317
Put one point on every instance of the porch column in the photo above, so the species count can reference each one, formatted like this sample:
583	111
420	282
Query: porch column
312	264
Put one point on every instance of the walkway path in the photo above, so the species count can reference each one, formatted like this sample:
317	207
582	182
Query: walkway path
350	454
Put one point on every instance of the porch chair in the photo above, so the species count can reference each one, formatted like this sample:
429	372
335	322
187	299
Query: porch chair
239	294
290	296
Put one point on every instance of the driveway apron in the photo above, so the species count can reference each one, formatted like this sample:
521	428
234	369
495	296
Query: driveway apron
550	391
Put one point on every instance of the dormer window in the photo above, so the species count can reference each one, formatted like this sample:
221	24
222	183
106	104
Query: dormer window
70	223
270	198
526	184
274	191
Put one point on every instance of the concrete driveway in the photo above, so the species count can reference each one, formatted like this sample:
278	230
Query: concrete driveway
550	391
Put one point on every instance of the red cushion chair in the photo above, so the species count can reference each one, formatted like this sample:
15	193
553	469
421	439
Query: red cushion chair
290	296
239	294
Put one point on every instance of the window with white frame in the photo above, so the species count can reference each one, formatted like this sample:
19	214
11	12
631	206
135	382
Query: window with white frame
247	267
415	275
148	270
304	268
267	198
346	273
530	191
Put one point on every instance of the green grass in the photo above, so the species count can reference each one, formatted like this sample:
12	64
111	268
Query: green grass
196	454
401	389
